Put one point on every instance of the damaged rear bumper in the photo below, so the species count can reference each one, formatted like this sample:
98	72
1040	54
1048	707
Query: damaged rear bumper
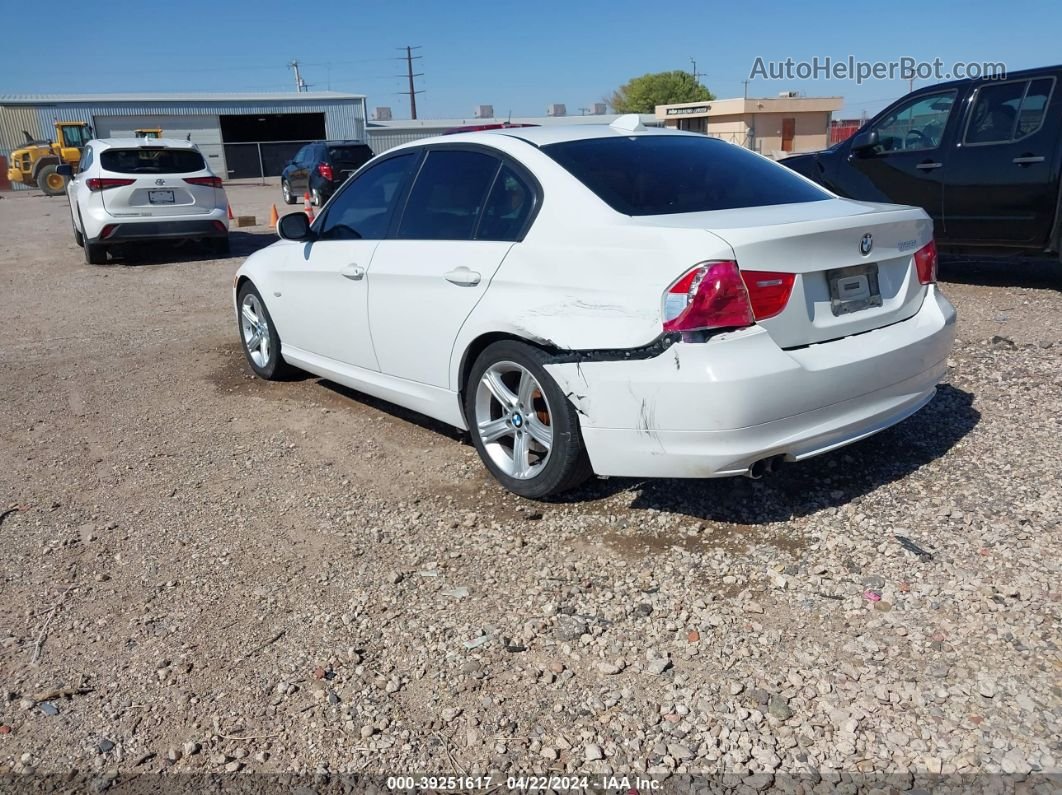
714	408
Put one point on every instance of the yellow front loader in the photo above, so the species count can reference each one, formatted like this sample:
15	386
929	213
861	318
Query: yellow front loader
35	163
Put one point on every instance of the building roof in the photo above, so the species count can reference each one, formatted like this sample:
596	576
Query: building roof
202	96
557	133
744	105
543	121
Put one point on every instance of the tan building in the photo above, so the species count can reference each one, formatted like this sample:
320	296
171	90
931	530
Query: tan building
772	126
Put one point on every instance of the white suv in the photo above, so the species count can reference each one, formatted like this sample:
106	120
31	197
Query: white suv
136	189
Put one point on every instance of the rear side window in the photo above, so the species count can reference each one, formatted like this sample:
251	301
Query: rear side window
446	200
669	174
508	207
1008	111
151	161
349	156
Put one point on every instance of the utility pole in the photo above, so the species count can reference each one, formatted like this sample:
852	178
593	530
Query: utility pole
746	84
696	75
410	58
300	84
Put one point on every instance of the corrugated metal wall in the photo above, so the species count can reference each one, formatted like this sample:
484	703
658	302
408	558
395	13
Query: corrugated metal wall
383	138
344	118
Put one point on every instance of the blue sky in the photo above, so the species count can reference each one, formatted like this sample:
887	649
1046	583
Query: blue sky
517	56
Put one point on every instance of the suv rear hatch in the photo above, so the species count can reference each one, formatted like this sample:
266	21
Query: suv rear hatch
161	181
345	159
853	262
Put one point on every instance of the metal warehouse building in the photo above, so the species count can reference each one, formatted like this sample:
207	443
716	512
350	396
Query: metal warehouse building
241	135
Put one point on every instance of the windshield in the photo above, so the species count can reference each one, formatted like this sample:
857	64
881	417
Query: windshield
668	174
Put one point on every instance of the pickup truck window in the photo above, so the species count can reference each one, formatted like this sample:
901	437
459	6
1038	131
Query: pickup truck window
917	124
1005	112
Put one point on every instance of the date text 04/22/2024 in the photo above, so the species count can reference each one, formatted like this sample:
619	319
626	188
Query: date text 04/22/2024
531	783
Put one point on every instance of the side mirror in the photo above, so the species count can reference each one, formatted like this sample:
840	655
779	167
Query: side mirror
65	170
294	226
865	141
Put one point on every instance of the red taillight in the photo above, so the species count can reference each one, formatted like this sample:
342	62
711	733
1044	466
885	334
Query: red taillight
768	291
325	171
709	296
926	263
209	182
220	226
107	231
102	183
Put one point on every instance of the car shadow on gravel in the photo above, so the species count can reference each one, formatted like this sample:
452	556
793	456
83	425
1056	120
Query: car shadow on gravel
1044	274
799	489
242	244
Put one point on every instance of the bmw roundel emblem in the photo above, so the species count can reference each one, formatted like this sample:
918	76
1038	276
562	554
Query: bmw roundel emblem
866	244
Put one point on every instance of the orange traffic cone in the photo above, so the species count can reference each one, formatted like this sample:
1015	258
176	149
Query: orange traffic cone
273	217
231	216
307	206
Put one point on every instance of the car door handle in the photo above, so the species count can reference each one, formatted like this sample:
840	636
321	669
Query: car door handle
354	272
463	276
1025	160
928	165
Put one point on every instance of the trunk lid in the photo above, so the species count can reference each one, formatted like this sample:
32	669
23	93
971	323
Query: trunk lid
822	243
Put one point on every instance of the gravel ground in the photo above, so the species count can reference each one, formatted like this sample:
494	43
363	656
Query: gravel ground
203	572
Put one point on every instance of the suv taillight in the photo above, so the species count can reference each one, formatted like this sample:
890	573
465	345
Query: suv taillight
768	291
325	171
709	296
209	182
926	263
102	183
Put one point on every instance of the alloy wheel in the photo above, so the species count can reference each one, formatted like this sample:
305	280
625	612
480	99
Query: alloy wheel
513	420
255	330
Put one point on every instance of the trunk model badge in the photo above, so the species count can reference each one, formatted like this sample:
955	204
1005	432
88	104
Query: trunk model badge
866	244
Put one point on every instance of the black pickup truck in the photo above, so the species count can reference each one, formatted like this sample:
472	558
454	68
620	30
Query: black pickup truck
982	157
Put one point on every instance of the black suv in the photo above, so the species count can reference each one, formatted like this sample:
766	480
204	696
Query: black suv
982	157
320	168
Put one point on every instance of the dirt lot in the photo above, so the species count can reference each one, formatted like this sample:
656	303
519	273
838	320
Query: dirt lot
204	573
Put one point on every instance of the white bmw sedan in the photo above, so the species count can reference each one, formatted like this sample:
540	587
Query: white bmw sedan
612	300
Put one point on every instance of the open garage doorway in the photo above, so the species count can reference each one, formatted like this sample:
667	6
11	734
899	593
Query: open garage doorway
260	144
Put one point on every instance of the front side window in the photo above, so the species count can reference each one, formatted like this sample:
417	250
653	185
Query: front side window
447	197
669	174
363	209
152	161
1006	112
916	125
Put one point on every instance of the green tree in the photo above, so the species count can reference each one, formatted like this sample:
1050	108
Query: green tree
643	94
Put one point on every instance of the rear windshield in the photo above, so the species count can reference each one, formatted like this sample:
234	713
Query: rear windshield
151	161
353	156
668	174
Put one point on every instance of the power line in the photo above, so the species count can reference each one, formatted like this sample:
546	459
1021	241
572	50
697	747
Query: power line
409	59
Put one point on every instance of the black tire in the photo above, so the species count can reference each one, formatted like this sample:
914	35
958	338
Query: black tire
567	464
78	237
285	190
220	247
43	177
95	254
274	368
